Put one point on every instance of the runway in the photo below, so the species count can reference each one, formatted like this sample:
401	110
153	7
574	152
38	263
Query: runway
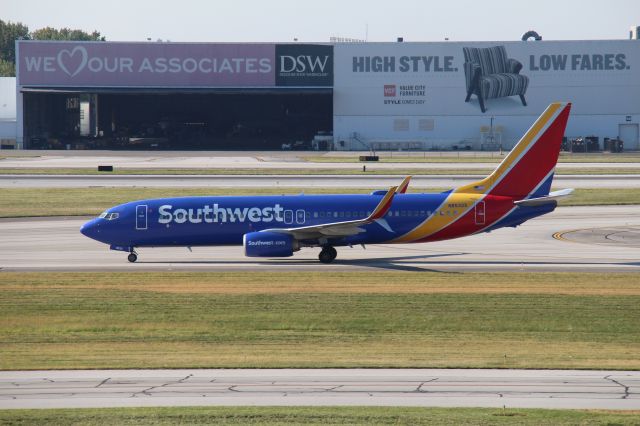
565	389
290	181
608	241
276	160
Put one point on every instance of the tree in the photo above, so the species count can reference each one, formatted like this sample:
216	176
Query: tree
9	33
50	33
7	69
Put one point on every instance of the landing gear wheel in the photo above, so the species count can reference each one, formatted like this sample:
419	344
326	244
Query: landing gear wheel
132	257
333	252
327	254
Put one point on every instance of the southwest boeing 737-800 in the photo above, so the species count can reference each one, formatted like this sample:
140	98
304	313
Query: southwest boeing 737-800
277	226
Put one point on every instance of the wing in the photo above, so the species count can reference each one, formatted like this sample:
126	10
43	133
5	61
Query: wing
339	229
402	188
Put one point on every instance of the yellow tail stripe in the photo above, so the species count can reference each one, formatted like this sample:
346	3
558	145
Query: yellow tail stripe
474	192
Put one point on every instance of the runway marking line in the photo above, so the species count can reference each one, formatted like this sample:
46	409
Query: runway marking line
560	236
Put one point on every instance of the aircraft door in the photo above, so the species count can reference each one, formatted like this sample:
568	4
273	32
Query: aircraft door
480	213
141	217
288	217
300	217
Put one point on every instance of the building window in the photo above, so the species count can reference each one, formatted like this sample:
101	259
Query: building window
400	125
426	124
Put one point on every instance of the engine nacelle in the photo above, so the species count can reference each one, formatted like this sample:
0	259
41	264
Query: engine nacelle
269	244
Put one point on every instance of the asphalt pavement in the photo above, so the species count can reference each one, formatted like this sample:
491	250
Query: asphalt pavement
566	389
609	240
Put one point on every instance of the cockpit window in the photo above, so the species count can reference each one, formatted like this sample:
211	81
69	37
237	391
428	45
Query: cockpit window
109	216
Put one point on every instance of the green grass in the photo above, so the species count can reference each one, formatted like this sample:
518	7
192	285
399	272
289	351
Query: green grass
22	202
25	202
319	319
357	170
316	416
468	157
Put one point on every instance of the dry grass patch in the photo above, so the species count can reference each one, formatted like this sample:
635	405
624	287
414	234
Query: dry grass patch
316	416
23	202
307	319
379	282
372	170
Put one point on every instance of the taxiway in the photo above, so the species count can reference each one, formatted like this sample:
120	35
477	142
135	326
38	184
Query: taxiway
609	240
566	389
373	181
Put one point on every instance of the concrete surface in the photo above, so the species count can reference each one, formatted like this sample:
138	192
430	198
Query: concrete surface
56	244
567	389
254	160
290	181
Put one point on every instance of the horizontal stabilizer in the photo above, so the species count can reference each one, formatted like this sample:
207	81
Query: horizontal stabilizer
553	196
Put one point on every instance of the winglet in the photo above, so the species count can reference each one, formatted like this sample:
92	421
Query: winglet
384	205
402	188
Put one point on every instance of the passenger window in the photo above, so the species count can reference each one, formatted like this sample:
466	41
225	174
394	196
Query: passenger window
341	214
361	214
348	214
315	215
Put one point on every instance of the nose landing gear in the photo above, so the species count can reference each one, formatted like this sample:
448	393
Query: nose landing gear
133	256
327	254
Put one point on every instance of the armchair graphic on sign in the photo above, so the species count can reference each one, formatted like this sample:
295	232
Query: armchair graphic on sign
490	74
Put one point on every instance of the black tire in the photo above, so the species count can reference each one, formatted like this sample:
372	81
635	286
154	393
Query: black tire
333	252
132	257
326	256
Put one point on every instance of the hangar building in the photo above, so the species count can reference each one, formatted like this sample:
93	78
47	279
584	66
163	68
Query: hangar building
172	95
409	96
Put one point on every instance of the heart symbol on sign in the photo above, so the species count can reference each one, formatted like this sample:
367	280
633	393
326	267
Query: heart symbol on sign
72	61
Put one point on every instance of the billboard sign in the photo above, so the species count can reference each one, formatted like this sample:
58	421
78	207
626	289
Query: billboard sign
510	78
182	65
304	65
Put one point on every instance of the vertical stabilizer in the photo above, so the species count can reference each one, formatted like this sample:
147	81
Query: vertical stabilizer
528	169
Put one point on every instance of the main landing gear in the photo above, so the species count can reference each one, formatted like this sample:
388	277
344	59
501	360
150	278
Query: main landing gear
327	254
133	256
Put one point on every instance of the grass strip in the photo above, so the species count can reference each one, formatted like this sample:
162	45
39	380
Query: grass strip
316	416
466	157
29	202
357	170
319	319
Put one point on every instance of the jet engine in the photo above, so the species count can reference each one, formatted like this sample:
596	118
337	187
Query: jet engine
269	244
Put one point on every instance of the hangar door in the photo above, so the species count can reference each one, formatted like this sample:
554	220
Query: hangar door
628	133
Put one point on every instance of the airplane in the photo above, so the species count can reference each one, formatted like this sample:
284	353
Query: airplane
277	226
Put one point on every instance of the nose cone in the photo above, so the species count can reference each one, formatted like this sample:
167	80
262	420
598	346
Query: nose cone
91	229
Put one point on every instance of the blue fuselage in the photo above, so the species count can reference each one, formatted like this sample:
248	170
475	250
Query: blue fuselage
208	221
